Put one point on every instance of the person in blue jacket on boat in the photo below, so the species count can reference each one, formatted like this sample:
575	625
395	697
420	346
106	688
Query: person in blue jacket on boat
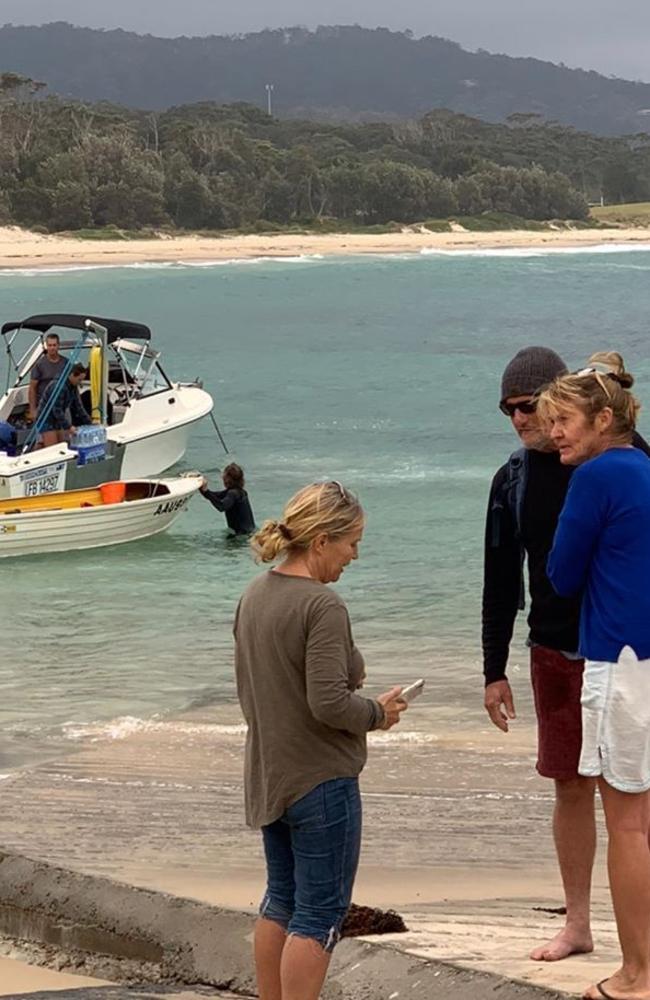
62	408
602	550
232	500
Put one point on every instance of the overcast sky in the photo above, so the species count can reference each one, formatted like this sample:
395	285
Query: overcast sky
612	37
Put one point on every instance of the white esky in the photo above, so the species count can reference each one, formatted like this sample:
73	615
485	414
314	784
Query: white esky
608	36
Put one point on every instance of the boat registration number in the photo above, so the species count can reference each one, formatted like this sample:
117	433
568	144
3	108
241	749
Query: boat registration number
46	484
36	482
170	506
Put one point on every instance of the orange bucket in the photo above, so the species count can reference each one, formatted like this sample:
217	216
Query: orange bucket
113	492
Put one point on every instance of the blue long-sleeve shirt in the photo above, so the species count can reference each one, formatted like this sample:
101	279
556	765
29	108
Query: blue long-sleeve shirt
602	544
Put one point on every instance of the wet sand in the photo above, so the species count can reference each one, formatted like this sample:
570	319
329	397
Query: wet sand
22	249
457	834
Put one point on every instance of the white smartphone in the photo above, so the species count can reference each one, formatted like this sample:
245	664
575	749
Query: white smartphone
412	691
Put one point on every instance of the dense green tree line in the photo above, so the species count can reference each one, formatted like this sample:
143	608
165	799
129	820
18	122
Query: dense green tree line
68	165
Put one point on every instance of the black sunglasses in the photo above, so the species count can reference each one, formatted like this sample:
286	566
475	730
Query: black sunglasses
509	409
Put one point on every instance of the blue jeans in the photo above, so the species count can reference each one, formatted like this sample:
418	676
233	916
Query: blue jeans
312	854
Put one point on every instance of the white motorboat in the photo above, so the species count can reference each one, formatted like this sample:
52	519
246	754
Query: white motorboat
109	514
148	418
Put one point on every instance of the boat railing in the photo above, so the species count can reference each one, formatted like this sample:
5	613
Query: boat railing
22	364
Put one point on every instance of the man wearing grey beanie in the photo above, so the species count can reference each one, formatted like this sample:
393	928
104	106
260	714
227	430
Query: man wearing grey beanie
525	502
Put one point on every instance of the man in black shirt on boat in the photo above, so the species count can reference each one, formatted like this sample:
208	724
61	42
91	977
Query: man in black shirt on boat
232	501
525	502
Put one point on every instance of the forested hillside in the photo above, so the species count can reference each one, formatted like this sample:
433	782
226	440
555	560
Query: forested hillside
342	73
69	165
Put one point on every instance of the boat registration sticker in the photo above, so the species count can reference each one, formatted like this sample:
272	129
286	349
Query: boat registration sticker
36	482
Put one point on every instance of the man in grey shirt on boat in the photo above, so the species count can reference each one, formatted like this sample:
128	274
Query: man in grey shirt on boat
47	369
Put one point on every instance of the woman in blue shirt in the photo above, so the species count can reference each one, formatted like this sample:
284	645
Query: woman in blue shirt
602	550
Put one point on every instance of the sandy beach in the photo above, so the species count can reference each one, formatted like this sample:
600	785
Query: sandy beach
456	834
22	249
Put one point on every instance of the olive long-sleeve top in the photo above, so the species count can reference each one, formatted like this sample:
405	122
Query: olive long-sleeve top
297	673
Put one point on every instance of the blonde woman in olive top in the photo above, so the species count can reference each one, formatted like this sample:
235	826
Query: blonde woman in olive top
298	672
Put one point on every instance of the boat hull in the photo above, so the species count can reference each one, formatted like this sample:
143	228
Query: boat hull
63	530
156	429
151	455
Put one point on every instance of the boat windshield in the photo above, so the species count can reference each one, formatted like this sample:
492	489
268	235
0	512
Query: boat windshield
141	369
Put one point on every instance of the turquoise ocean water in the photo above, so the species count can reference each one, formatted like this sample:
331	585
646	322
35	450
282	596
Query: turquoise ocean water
382	372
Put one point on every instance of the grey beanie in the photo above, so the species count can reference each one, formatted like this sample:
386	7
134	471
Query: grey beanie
529	370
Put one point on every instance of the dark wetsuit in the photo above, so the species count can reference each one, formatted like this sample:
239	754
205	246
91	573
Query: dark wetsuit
236	506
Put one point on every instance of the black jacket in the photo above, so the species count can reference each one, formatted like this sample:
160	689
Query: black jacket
236	506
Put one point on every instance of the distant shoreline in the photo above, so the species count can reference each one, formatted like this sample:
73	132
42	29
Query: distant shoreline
21	249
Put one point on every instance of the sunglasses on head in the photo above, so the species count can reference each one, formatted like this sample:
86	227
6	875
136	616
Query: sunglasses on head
527	406
342	490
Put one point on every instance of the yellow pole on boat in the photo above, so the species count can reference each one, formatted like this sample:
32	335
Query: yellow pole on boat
95	364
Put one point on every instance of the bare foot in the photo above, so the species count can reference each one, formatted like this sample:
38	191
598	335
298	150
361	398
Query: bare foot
566	942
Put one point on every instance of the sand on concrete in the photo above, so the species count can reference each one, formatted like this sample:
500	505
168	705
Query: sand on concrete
18	978
20	248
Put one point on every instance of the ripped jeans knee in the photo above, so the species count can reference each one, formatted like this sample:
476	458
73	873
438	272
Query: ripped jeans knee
275	910
312	853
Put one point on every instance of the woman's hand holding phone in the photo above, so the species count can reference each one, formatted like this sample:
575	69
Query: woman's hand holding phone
392	706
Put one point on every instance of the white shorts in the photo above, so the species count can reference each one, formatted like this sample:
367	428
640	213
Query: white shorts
616	722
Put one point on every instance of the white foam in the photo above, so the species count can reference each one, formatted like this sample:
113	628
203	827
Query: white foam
270	259
35	272
523	252
403	737
153	265
147	265
126	726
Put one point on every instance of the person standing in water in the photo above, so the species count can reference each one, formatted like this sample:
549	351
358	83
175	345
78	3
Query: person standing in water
232	500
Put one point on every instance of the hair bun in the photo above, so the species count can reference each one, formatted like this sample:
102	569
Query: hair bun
624	379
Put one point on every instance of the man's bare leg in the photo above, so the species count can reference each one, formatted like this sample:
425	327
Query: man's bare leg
574	832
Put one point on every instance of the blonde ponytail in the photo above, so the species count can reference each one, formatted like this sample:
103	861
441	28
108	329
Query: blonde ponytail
316	509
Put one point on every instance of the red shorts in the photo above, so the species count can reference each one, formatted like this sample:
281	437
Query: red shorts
557	683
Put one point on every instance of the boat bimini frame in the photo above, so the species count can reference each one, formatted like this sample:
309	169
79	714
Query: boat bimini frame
130	370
